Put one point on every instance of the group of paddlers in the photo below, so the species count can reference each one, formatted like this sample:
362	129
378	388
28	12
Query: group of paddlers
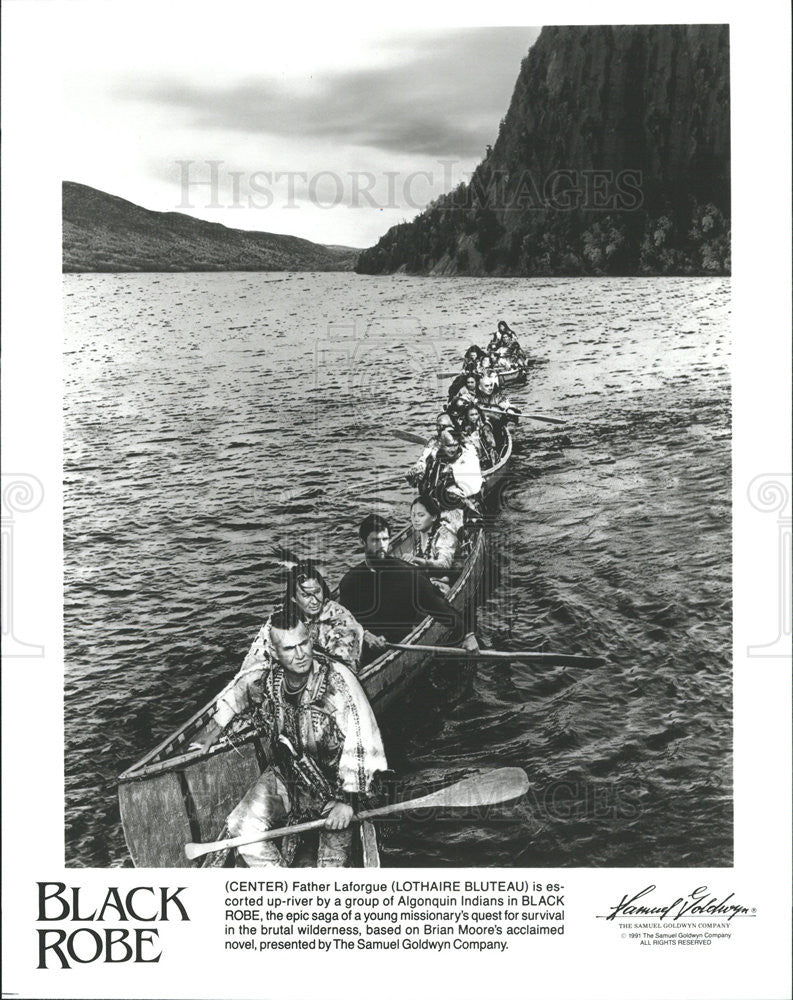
298	684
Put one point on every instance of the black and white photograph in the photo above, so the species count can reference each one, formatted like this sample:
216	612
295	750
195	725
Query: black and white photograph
358	511
396	481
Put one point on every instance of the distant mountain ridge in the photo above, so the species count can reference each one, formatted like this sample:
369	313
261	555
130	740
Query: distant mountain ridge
613	158
102	232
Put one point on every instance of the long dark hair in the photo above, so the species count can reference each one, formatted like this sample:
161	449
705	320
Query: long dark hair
466	422
430	504
305	570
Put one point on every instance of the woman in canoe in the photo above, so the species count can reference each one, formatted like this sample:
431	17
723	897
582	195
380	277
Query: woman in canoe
473	359
472	365
467	390
330	625
434	544
477	431
455	480
456	410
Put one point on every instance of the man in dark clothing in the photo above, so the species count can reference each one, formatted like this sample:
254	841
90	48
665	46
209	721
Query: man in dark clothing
389	597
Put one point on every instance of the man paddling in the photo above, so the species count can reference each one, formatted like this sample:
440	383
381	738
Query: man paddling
322	742
389	596
491	397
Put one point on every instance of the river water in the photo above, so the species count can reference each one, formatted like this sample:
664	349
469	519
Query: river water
209	417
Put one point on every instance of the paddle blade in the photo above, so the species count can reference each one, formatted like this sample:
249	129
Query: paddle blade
505	784
409	436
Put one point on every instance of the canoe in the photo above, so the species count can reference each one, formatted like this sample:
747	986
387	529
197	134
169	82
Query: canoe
518	375
512	376
174	795
496	472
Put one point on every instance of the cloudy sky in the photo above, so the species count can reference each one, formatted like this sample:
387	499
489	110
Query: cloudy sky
333	131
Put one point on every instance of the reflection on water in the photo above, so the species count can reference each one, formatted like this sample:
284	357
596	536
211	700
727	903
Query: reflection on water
210	417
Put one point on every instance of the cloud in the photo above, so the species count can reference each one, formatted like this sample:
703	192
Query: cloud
330	102
441	95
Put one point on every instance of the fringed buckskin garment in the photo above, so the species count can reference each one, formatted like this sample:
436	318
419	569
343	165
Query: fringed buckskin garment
337	752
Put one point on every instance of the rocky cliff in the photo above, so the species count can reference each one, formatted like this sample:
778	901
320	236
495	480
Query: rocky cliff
613	158
104	233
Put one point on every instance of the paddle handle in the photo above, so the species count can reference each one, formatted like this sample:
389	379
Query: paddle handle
499	412
545	420
522	413
199	850
504	784
549	659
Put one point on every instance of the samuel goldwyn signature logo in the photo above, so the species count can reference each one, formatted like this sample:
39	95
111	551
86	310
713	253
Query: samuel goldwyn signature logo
698	903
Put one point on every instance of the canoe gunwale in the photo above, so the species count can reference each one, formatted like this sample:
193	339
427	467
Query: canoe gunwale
384	680
143	769
147	766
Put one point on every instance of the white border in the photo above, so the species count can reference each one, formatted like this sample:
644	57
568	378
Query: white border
587	962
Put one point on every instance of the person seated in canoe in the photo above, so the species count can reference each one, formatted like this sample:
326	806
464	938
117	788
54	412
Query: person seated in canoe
434	544
419	467
467	391
390	597
476	430
330	626
321	741
494	343
485	366
462	380
454	479
457	409
472	359
492	400
472	362
509	353
457	383
448	460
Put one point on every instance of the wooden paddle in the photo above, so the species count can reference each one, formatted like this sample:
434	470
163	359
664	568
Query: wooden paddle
545	420
409	436
549	659
504	784
497	411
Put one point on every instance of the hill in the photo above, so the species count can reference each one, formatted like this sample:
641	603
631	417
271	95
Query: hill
102	232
